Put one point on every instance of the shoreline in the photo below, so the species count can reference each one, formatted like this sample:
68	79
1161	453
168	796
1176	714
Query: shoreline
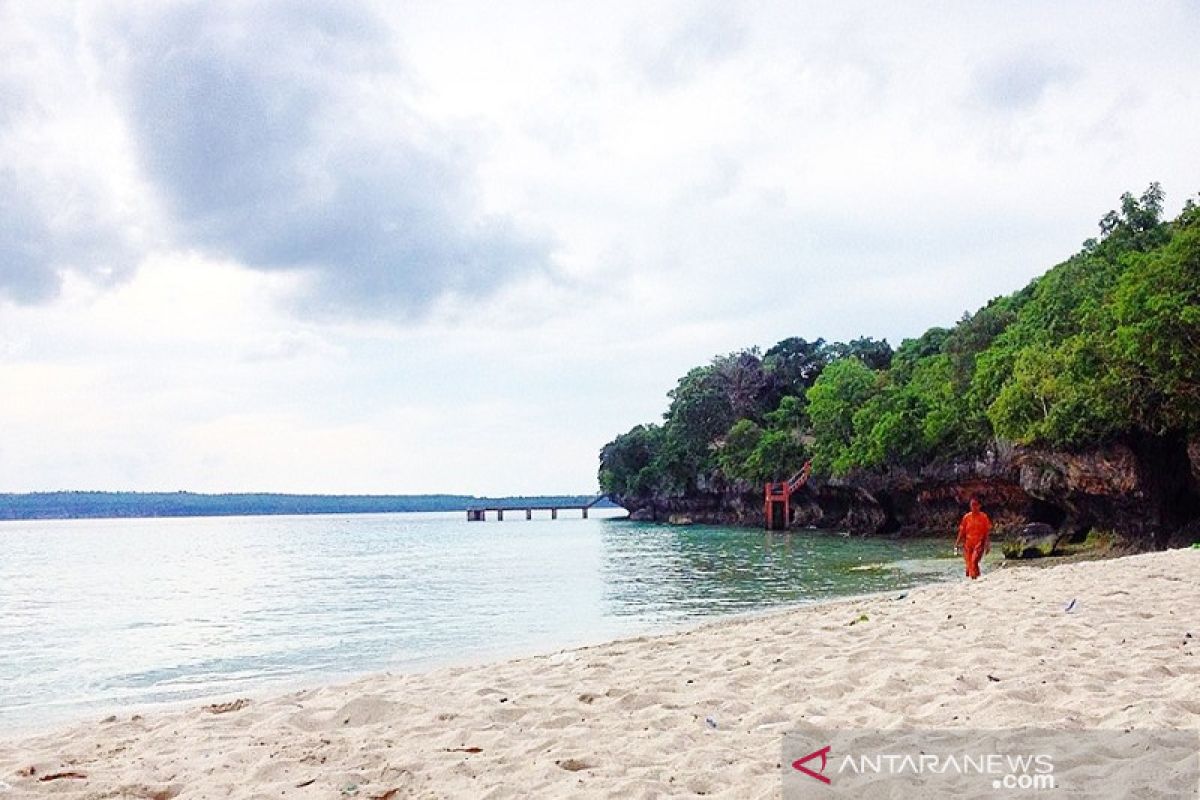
482	659
629	716
79	670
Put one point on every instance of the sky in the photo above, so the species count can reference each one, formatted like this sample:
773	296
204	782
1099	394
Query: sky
395	248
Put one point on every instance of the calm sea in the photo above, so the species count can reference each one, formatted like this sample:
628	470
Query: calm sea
102	616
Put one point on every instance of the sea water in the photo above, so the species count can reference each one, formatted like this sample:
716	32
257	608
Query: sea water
105	616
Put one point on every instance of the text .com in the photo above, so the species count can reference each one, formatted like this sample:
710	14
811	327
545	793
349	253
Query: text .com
1025	781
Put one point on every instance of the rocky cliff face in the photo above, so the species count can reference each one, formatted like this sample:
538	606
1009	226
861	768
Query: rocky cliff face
1146	490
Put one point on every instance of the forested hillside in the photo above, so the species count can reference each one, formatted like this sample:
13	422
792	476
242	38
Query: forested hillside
1103	348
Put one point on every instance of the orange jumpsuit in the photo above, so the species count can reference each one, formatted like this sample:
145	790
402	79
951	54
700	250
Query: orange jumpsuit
972	537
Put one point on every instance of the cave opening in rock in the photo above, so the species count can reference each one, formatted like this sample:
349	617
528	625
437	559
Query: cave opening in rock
1166	473
1049	513
888	506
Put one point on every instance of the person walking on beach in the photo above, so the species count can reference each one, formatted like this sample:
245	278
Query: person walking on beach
973	537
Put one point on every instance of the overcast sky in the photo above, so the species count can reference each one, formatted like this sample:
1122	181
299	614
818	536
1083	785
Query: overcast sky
439	246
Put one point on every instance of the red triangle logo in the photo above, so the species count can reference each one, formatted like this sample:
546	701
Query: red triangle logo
799	763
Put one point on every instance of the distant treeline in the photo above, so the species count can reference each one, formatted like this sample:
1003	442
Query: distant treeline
89	505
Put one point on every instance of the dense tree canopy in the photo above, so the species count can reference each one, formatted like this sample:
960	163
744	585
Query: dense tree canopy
1103	345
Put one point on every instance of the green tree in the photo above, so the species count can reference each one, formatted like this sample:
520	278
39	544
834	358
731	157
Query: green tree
975	333
911	351
876	354
740	443
779	455
886	431
629	463
1065	396
744	381
1059	374
794	364
1138	225
844	386
754	454
699	414
948	426
790	415
927	417
1156	311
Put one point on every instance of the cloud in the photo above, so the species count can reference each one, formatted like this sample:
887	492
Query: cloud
54	223
51	225
26	273
702	39
1018	82
277	136
59	211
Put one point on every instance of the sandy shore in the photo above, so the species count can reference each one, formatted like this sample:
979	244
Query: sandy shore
628	718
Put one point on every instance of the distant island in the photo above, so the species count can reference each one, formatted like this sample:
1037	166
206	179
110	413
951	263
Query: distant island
1072	403
97	505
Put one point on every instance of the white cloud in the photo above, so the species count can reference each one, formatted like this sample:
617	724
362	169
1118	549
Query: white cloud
72	201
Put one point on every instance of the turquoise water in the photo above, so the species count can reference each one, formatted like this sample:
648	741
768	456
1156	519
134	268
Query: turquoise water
98	616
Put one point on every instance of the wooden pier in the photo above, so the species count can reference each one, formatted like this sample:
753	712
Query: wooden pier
480	514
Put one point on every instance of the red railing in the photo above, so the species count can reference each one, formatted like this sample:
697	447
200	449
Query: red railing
777	498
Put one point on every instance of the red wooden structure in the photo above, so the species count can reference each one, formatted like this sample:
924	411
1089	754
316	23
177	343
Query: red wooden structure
777	499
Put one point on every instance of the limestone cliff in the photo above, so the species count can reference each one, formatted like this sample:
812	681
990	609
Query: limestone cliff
1146	490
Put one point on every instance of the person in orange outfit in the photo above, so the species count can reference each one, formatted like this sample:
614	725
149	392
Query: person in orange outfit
973	537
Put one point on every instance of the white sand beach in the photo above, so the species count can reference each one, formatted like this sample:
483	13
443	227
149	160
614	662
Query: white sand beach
628	718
